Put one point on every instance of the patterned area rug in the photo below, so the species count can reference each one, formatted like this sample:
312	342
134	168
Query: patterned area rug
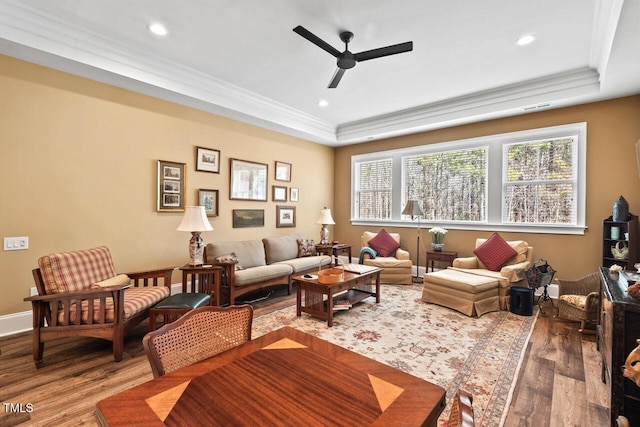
482	355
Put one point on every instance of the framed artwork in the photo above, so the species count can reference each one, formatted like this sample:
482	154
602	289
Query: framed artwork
283	171
207	160
293	194
248	180
208	199
248	218
285	216
279	194
171	185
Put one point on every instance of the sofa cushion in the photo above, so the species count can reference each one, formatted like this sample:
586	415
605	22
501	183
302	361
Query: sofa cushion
281	248
136	300
384	244
119	280
75	271
388	262
306	247
262	273
306	263
250	253
495	252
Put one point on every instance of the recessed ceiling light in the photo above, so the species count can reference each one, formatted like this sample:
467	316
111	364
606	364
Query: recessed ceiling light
323	103
525	40
158	29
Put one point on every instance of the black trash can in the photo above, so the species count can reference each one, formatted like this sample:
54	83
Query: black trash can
521	301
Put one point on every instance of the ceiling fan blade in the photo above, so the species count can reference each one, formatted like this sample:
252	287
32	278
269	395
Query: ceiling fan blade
384	51
316	40
336	78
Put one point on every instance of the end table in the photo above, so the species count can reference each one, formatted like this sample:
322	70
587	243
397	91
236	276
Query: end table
206	277
334	250
444	256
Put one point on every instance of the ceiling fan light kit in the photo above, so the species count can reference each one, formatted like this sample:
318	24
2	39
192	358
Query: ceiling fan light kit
346	59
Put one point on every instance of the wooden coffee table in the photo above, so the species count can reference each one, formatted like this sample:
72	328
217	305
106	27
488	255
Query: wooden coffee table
318	297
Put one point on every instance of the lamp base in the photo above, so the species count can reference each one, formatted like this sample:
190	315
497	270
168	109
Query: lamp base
196	249
324	235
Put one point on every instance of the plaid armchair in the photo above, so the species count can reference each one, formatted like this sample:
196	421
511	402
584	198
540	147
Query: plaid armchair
80	294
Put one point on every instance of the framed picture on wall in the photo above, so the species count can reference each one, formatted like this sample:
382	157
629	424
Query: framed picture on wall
293	194
248	180
171	185
207	160
208	199
279	194
283	171
285	216
248	218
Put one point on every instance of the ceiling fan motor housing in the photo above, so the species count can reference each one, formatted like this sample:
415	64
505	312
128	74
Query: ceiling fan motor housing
346	60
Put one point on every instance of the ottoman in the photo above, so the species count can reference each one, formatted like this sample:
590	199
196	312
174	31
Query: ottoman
471	294
177	305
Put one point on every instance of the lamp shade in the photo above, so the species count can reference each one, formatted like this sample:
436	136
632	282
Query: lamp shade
195	219
412	208
325	217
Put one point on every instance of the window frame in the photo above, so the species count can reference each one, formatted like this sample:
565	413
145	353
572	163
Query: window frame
495	184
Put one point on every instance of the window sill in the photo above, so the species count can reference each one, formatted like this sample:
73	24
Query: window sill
511	228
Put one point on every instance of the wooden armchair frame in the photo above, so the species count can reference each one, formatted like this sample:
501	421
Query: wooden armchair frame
199	334
461	414
48	326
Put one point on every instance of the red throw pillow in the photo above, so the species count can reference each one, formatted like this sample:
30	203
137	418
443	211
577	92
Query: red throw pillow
384	244
495	252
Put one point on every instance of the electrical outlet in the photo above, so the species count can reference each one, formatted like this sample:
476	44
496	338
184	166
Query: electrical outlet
16	243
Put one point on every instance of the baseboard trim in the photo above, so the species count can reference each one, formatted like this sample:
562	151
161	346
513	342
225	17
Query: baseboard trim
16	323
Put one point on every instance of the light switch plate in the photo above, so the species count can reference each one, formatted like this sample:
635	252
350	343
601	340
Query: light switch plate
16	243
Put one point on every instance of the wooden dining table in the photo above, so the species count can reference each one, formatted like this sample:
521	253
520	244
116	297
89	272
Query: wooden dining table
283	378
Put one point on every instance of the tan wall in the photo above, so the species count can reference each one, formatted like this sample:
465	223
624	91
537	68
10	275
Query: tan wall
613	127
79	170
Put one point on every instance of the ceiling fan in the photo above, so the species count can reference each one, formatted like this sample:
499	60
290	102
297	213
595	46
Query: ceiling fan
347	59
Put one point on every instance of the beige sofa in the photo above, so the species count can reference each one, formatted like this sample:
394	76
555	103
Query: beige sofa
263	263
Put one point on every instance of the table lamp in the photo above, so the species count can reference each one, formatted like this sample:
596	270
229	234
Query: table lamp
413	208
325	219
195	221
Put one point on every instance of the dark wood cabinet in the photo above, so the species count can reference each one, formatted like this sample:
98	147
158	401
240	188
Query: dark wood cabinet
620	234
618	330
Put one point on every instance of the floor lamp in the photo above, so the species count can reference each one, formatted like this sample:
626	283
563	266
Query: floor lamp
413	208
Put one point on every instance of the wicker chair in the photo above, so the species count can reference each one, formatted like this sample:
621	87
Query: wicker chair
461	414
578	299
198	335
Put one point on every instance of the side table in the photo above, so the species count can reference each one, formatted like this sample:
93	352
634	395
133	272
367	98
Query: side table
206	277
205	290
444	256
335	250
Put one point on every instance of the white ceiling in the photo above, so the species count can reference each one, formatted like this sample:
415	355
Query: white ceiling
241	59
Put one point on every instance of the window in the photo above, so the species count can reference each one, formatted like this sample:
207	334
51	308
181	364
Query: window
524	181
374	189
449	185
540	183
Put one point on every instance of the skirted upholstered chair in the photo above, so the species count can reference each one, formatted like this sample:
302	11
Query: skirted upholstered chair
578	299
481	283
383	250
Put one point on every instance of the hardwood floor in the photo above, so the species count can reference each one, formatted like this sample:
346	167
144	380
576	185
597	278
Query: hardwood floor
559	382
